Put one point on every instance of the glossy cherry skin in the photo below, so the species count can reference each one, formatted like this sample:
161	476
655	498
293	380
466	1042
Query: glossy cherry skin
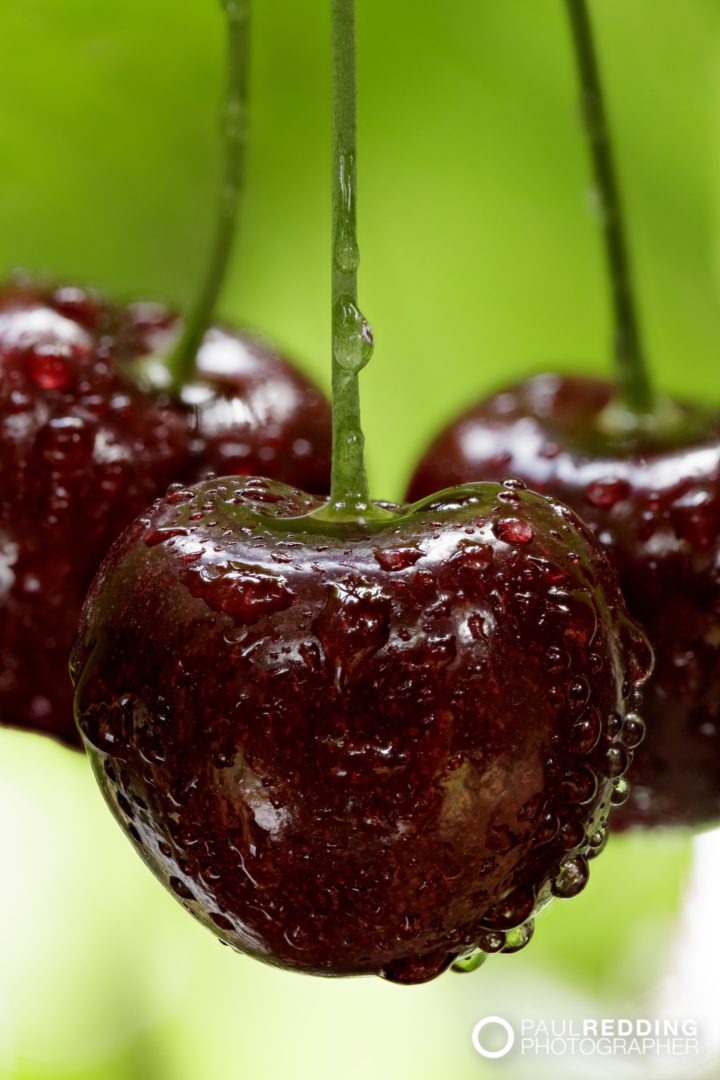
656	510
252	412
84	450
360	748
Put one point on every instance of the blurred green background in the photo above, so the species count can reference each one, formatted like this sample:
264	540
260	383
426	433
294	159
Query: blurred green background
481	261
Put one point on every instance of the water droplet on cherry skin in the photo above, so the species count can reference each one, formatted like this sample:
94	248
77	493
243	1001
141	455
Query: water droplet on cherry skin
514	531
511	912
597	842
585	733
604	494
353	625
633	731
621	792
472	961
492	941
572	877
66	442
414	970
394	560
78	305
244	593
48	368
617	761
519	938
580	785
179	887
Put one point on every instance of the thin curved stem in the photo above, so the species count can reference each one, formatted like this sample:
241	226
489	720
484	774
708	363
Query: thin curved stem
235	124
632	374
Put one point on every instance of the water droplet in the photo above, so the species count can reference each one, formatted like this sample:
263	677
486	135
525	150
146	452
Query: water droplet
352	627
639	654
620	792
48	367
514	531
132	831
245	594
606	493
76	304
511	912
178	493
179	887
468	568
354	341
66	441
476	626
633	731
347	251
258	490
613	726
492	941
579	692
396	559
520	937
514	483
598	842
580	786
158	536
412	970
310	654
572	878
106	726
441	651
557	660
572	835
547	829
465	964
585	733
221	921
616	761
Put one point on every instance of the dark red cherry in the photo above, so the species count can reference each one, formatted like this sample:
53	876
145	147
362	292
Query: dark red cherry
656	509
252	412
83	450
367	747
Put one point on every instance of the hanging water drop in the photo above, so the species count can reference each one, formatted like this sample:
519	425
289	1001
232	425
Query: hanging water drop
354	342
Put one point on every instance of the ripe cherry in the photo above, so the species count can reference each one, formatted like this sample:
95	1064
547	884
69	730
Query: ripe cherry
656	510
84	449
356	738
354	747
645	475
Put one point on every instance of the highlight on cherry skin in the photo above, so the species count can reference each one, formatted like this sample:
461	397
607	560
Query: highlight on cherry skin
85	449
361	747
654	504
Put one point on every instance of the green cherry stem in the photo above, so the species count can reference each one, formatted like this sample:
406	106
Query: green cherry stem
352	340
235	121
634	388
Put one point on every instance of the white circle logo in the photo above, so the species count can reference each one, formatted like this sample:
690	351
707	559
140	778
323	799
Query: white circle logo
480	1027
